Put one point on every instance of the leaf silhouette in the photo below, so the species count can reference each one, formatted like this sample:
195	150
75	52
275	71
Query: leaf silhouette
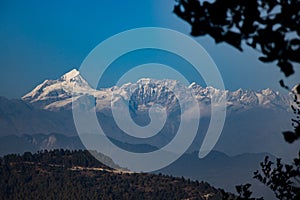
269	26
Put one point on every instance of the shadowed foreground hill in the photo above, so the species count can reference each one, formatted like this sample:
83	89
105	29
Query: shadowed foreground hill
60	174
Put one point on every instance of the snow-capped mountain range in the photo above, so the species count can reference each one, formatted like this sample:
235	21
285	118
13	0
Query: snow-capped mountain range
254	122
57	94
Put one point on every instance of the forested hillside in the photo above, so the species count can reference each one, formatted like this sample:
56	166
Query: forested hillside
64	174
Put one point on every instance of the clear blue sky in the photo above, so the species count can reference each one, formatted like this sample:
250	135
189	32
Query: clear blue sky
44	39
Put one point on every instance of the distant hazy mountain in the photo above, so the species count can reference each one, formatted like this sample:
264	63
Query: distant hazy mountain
18	117
33	143
222	170
254	122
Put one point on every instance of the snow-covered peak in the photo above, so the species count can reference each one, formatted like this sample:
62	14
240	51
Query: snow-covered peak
35	91
150	81
70	75
145	81
267	91
52	91
193	84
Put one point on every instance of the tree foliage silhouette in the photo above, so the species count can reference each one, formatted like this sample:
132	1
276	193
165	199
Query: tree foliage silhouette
244	193
283	179
291	136
271	27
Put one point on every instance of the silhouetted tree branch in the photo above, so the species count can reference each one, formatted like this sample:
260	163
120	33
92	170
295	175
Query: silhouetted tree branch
271	27
245	193
283	180
291	136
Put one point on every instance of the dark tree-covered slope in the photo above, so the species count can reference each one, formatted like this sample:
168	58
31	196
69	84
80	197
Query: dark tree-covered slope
61	174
